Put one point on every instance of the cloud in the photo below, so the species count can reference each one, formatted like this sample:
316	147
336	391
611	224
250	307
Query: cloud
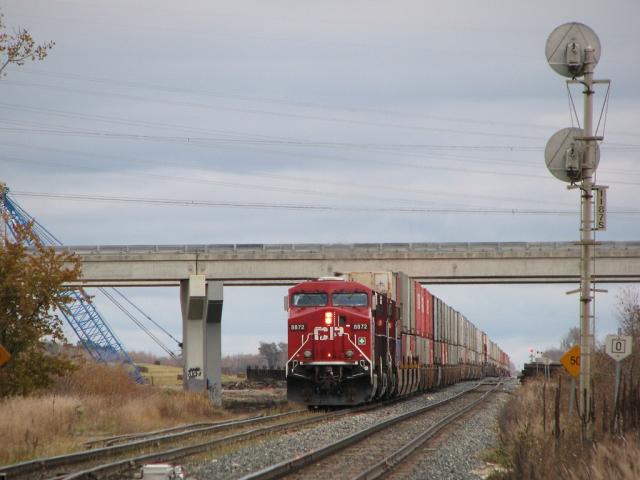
326	103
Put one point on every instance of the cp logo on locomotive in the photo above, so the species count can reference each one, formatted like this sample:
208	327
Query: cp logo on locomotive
327	333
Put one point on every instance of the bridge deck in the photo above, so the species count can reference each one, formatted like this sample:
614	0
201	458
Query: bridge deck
276	264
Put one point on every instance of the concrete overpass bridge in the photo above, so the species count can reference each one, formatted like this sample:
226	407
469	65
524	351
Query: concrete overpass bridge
202	271
284	264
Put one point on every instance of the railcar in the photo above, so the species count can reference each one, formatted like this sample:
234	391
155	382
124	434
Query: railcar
373	335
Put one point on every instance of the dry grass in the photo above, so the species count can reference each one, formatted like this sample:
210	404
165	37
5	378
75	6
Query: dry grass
536	446
527	435
162	375
96	400
612	459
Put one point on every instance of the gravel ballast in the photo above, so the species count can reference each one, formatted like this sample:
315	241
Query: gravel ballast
262	453
458	455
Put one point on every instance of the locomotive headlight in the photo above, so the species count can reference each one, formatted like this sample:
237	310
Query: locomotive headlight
348	353
307	353
328	318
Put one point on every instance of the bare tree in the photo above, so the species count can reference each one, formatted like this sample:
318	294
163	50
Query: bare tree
271	352
629	311
284	351
19	46
570	339
553	354
239	362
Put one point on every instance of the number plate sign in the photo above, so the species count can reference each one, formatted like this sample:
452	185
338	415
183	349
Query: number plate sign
618	347
4	356
601	209
571	361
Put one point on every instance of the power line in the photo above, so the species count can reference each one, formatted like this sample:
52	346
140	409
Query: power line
306	207
441	155
255	187
288	102
272	113
383	147
280	114
131	122
299	180
298	143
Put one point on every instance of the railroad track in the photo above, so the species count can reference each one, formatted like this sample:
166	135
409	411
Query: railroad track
130	437
111	460
352	457
61	465
117	461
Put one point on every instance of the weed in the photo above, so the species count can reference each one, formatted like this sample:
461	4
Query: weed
94	400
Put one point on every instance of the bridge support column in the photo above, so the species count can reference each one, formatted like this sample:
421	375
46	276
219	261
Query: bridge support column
192	300
201	303
213	342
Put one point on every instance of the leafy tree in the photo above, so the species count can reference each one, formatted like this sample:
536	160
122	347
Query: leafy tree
31	294
19	46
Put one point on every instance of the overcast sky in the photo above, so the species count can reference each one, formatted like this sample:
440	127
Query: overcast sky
430	105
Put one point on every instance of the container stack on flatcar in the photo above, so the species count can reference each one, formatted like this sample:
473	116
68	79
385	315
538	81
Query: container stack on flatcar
374	335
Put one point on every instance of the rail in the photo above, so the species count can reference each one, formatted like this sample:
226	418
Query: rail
290	466
29	468
45	467
380	469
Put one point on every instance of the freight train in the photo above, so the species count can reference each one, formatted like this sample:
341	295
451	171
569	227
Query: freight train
368	336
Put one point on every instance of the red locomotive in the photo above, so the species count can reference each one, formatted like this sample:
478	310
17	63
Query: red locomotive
378	335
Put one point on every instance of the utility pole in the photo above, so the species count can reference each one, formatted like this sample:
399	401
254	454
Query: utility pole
587	240
3	229
572	155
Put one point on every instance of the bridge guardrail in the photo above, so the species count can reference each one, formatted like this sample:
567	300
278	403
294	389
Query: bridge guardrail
360	247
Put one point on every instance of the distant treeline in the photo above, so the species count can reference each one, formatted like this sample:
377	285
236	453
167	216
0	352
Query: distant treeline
271	355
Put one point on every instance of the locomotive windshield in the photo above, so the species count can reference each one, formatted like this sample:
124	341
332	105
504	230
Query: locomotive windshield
350	299
309	299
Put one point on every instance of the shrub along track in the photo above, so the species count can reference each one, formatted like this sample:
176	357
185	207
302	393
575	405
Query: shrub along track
372	452
113	460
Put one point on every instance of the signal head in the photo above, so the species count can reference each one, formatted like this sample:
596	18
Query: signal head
565	49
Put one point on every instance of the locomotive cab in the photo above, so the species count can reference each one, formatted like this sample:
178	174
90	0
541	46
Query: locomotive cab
331	339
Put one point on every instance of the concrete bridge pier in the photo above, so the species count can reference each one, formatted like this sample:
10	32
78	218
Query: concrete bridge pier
213	342
201	303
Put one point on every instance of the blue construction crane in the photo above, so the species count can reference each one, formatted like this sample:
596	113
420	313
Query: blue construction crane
92	330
